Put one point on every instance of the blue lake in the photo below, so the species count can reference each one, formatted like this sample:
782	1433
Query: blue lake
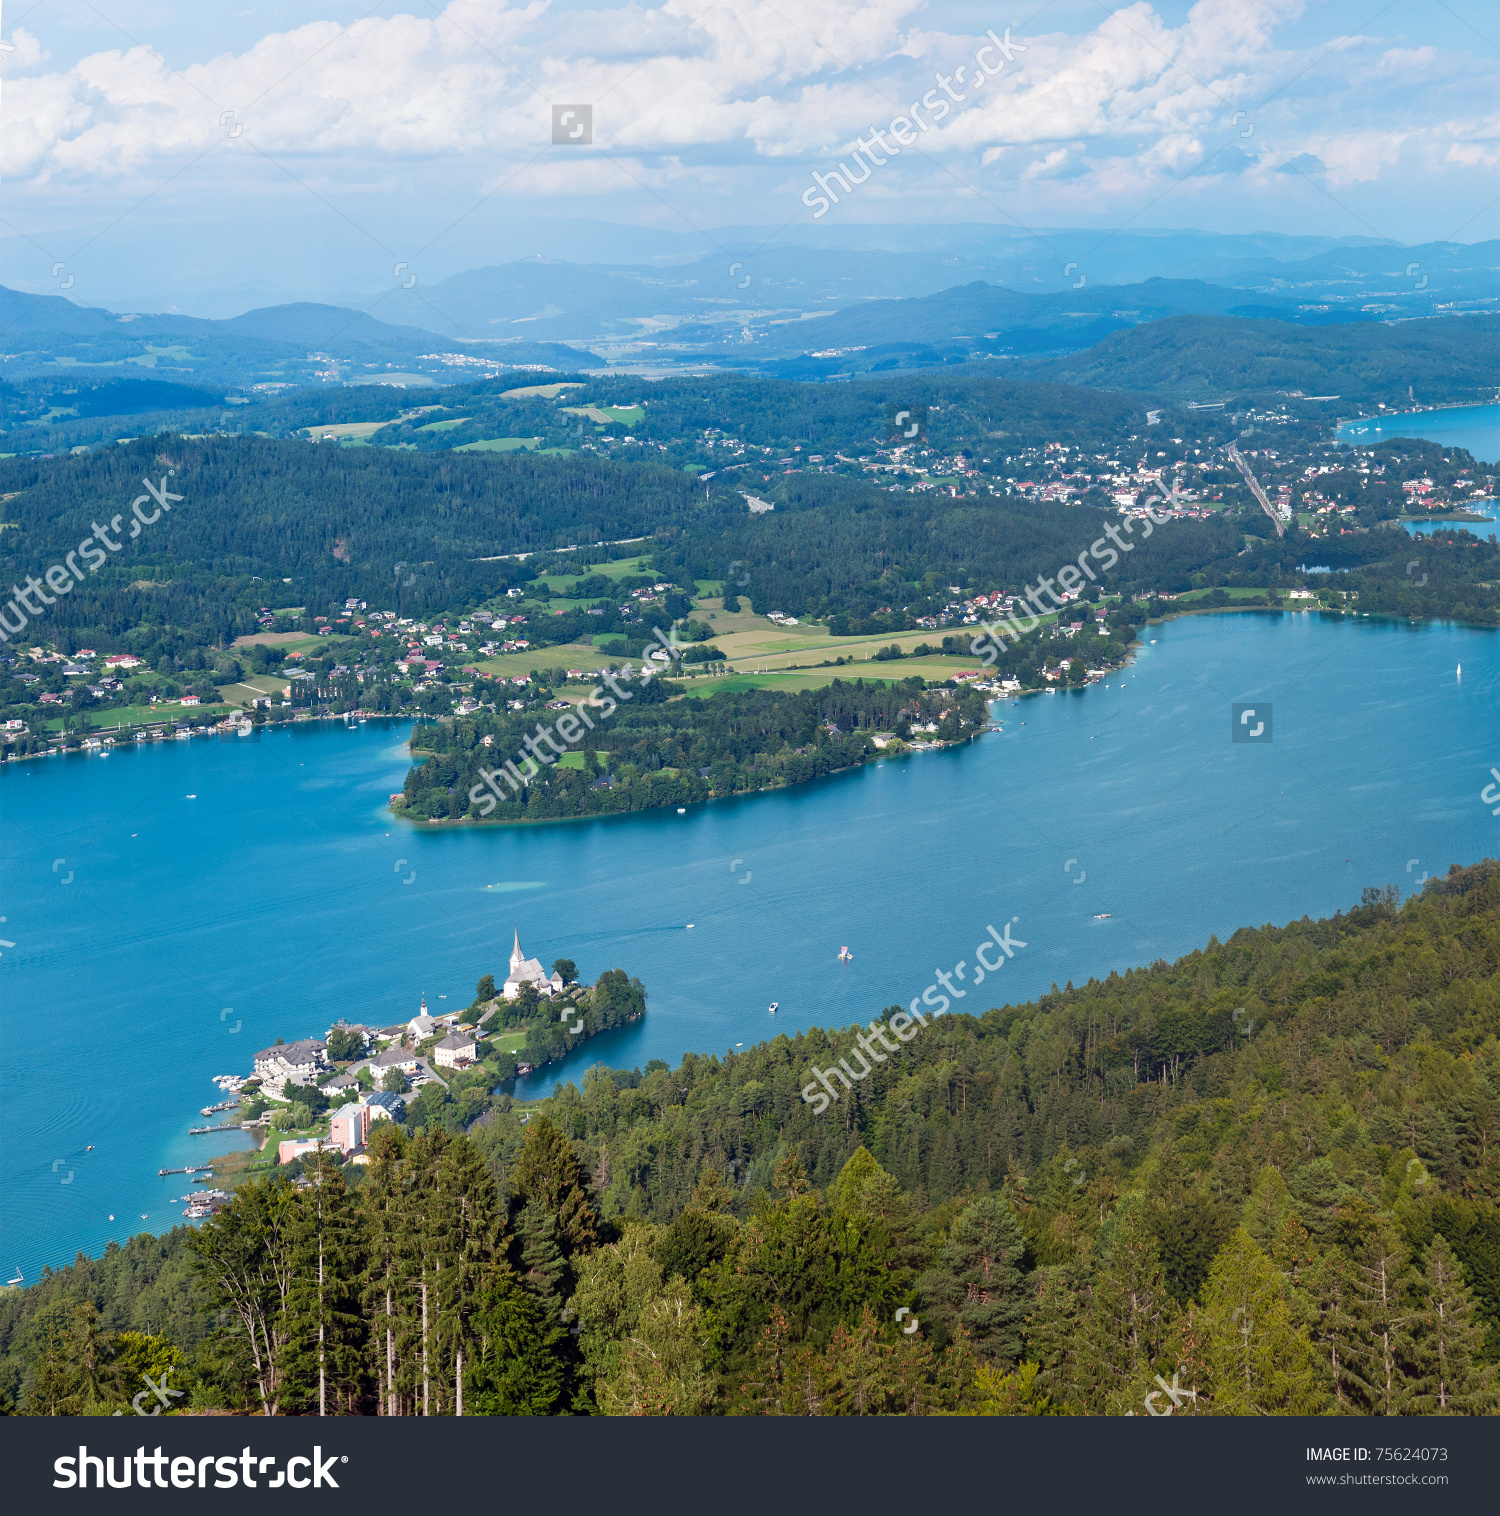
176	908
1479	528
1475	427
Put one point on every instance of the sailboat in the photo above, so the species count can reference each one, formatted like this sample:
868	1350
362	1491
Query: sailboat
9	1283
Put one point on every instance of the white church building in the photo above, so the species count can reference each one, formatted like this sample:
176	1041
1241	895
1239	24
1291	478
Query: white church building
524	970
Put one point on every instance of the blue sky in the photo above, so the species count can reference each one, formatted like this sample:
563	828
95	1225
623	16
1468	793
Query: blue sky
362	135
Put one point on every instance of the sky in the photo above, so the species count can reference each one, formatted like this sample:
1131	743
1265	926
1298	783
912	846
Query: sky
162	148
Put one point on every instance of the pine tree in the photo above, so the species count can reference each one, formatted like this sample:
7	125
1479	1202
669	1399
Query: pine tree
547	1173
1127	1318
1379	1348
325	1324
978	1282
1253	1357
1449	1374
518	1369
546	1270
383	1199
464	1225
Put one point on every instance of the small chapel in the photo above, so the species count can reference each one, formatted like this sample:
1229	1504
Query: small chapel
524	970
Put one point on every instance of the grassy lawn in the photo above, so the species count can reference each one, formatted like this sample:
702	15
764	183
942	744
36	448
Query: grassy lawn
546	391
567	655
442	426
142	715
560	584
1238	593
349	430
508	1042
493	444
627	414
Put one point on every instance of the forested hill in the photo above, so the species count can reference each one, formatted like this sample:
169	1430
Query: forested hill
1210	358
1270	1170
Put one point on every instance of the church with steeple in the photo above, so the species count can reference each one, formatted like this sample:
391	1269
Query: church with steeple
524	970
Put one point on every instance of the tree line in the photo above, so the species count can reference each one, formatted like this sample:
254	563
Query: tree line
1267	1172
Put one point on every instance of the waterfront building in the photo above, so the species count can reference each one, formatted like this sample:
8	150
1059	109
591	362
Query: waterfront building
524	970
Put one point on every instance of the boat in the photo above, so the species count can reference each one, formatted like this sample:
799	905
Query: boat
773	1006
845	956
12	1283
1101	915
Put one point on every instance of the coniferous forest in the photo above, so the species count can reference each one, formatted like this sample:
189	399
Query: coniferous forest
1270	1170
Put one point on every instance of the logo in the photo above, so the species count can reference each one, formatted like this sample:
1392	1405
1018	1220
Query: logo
401	864
734	863
906	423
572	125
1079	1177
571	1010
1174	1392
911	1326
1068	870
1248	1027
1250	723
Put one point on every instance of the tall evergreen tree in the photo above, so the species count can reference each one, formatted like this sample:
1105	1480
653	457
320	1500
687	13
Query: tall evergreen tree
1253	1358
325	1322
548	1173
978	1283
464	1226
1449	1374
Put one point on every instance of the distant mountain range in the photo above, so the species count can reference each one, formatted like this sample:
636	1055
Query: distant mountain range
287	345
931	298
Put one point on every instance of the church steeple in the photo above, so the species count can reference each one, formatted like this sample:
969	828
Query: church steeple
517	957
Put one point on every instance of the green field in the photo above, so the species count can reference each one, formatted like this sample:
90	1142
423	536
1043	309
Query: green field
508	1042
144	715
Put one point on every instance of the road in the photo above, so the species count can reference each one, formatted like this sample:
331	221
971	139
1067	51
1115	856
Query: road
1257	491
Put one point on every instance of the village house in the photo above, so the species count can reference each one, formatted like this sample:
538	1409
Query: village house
456	1051
401	1057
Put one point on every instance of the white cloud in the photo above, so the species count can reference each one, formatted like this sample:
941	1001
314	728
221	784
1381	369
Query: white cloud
717	100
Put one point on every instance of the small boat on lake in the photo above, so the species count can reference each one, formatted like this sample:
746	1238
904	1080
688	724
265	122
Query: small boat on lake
1102	915
845	956
773	1006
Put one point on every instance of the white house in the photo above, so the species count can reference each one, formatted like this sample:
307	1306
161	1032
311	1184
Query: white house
456	1050
524	970
290	1063
403	1058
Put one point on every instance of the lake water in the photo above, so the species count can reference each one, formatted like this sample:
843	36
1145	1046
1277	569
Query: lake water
1479	528
1475	427
176	908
